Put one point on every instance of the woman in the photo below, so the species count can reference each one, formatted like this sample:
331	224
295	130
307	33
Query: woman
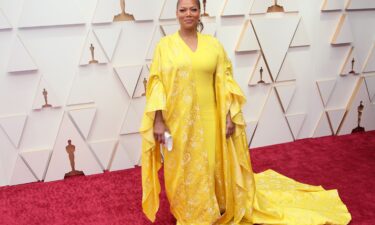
208	176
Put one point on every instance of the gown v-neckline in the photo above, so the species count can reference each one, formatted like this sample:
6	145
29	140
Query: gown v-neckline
186	45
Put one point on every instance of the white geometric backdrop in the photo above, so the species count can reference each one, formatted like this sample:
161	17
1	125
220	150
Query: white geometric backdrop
305	53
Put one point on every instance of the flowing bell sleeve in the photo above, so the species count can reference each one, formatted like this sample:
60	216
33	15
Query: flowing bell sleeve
234	101
239	205
151	156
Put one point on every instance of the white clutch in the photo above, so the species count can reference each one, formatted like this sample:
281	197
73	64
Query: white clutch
168	141
168	144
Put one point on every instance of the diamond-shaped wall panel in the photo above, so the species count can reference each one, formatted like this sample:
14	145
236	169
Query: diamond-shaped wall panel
360	5
260	6
301	38
41	13
290	5
370	61
257	100
209	27
157	35
287	72
250	130
20	58
83	119
13	126
130	143
351	64
108	38
170	28
92	52
275	51
133	117
121	159
247	40
295	122
3	178
8	157
45	97
140	89
129	76
342	92
285	93
41	129
140	11
335	117
325	88
343	33
37	160
105	11
370	84
111	100
169	10
272	126
4	22
21	173
322	127
71	155
332	5
260	74
236	7
79	96
361	113
104	151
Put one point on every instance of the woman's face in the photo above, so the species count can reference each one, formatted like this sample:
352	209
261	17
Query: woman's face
188	14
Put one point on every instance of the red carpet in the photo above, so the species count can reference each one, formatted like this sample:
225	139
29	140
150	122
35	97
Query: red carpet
346	163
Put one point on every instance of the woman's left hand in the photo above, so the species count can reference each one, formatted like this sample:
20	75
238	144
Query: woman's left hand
230	127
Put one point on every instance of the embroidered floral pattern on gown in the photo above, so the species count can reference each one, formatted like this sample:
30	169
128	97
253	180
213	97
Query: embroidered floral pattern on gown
208	178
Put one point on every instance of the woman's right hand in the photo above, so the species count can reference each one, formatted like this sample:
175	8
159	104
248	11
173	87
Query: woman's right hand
159	127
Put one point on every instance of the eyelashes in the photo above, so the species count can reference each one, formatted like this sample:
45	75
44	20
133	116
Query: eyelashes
184	10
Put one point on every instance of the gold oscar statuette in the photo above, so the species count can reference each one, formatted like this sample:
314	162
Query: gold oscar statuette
360	111
92	49
70	149
123	16
275	8
352	71
204	8
261	81
145	86
45	95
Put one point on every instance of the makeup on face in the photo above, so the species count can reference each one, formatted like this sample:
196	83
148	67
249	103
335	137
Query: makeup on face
188	13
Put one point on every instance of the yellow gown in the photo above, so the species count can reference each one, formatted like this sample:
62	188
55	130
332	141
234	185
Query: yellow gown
208	178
